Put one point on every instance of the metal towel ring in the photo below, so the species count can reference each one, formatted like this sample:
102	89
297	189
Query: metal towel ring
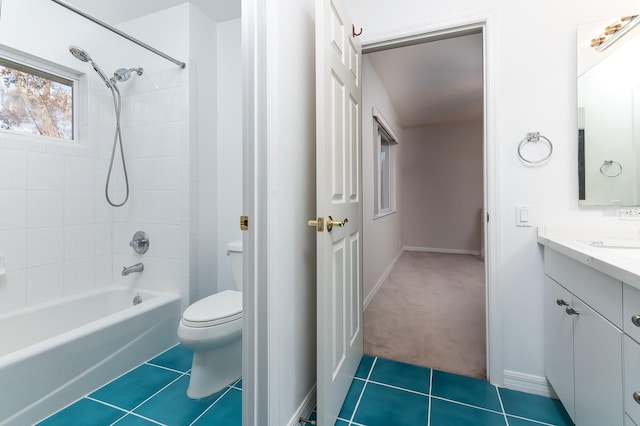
534	137
610	163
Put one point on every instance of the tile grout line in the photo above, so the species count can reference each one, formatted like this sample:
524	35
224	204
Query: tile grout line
166	368
538	422
126	412
209	407
465	404
373	364
504	413
430	391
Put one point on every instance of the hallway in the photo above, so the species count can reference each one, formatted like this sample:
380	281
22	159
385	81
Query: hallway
430	311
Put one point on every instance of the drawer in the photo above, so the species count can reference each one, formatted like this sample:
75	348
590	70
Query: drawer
631	378
601	292
631	307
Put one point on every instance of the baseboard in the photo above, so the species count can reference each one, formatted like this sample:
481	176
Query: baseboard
442	250
528	383
305	409
378	284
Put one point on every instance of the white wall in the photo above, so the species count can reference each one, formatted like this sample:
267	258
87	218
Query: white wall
535	88
382	237
229	154
442	183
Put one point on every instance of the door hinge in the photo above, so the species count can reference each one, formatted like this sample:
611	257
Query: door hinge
244	223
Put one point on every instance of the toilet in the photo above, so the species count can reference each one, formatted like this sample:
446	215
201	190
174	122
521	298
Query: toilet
212	327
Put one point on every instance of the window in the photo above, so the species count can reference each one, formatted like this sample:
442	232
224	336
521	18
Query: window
384	167
35	102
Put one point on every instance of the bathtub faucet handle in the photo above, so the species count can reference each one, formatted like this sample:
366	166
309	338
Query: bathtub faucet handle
140	242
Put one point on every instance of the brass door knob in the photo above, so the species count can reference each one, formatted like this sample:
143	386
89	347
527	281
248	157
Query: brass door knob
331	223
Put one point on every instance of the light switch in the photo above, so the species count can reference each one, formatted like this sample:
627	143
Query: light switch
524	215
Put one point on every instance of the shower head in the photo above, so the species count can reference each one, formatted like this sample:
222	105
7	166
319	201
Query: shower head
82	55
123	74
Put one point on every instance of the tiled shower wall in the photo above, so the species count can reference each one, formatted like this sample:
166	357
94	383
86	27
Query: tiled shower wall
57	233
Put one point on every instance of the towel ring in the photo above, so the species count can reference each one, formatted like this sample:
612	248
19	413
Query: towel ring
534	137
609	163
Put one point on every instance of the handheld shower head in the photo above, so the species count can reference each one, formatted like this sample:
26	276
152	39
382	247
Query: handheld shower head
82	55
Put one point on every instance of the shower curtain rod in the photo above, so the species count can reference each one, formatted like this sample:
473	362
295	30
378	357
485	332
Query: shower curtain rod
120	33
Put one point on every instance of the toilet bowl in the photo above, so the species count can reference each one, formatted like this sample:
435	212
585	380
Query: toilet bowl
212	327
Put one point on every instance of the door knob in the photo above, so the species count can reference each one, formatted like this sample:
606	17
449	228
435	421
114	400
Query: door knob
318	224
331	223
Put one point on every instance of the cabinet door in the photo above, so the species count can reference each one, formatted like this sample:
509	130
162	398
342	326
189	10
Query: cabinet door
631	377
598	369
558	343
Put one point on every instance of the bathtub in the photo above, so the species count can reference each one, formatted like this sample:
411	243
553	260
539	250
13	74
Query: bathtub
54	353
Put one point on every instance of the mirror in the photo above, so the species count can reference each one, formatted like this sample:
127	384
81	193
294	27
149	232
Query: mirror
609	112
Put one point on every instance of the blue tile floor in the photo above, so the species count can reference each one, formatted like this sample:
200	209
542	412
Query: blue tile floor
154	393
386	392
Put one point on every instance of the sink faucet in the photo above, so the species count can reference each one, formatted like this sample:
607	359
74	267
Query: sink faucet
138	267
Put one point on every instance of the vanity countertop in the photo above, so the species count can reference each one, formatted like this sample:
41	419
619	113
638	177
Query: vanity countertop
617	256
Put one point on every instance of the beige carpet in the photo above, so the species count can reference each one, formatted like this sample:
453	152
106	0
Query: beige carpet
430	311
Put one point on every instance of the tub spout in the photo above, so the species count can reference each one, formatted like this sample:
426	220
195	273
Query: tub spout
138	267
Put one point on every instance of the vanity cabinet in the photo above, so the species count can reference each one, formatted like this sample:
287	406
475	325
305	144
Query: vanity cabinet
583	340
631	326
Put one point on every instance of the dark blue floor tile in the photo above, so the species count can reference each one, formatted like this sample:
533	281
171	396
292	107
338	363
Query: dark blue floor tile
384	406
534	407
82	413
350	401
365	366
172	406
129	390
226	411
444	413
400	374
476	392
341	423
178	358
131	420
238	384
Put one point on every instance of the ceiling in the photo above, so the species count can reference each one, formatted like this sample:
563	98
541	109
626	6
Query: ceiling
434	82
117	11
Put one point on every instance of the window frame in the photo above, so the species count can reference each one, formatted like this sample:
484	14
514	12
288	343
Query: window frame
384	136
54	72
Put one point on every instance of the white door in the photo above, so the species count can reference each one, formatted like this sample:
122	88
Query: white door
338	162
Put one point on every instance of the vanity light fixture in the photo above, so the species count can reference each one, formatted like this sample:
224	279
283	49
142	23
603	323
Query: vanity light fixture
614	32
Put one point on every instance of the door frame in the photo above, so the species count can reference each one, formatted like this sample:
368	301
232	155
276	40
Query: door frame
446	29
256	398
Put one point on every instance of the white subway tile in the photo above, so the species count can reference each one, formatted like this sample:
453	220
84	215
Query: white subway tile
103	239
45	171
152	140
80	173
155	174
45	283
13	246
104	212
79	207
13	209
79	242
13	291
45	209
103	272
44	246
79	276
13	169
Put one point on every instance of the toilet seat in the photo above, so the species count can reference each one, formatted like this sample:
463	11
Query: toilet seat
219	308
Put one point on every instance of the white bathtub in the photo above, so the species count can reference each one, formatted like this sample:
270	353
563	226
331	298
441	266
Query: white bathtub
54	353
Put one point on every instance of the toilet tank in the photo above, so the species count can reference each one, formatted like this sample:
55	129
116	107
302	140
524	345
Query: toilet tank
234	250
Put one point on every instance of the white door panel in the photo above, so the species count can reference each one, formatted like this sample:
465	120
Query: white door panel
338	186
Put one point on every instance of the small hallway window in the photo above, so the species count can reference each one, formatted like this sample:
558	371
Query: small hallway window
34	101
384	167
